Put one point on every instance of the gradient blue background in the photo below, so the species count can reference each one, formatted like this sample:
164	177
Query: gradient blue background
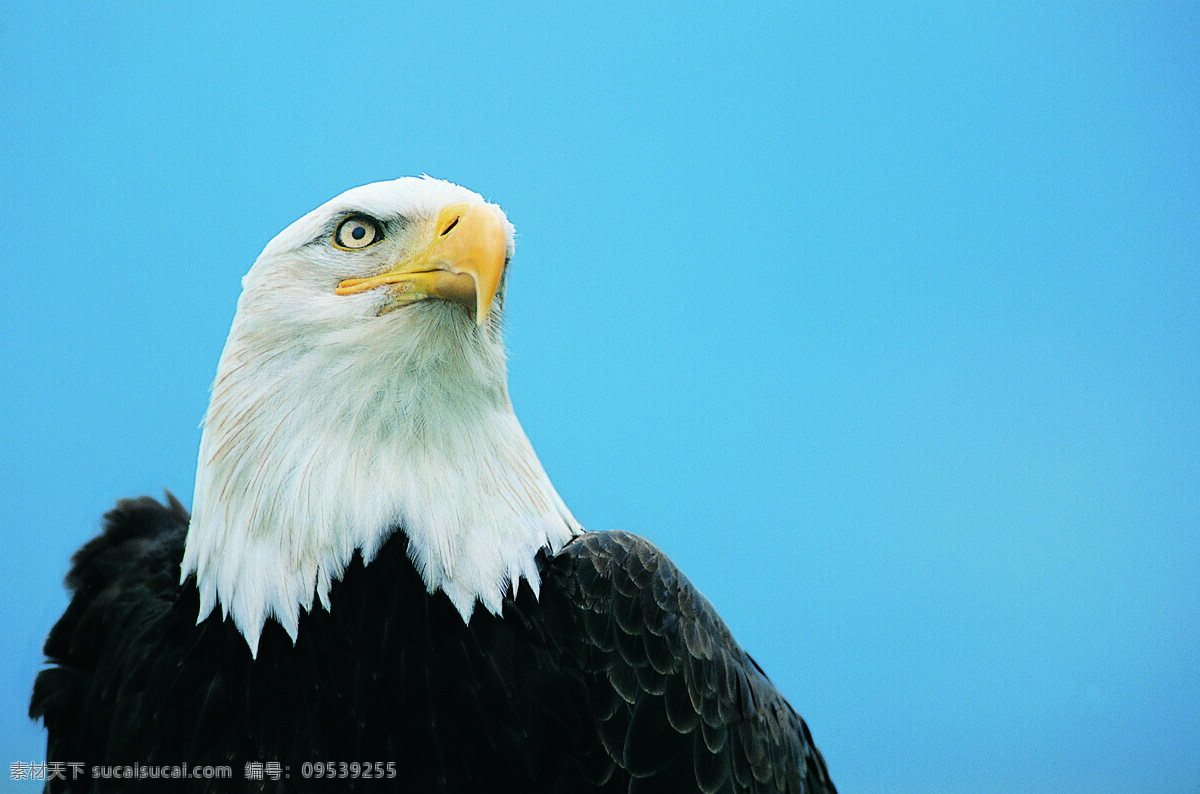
884	322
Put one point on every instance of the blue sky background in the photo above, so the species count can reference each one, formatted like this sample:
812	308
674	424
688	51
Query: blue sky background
883	321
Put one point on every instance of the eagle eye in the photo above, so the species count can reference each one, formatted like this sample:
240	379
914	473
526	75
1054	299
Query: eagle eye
357	232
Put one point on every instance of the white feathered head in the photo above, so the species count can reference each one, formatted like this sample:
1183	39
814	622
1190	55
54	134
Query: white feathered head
362	390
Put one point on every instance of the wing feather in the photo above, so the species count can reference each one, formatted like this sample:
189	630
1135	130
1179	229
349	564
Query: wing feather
678	691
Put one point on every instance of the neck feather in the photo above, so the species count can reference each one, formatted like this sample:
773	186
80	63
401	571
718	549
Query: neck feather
309	455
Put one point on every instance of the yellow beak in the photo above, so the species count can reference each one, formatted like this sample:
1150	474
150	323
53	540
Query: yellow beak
462	261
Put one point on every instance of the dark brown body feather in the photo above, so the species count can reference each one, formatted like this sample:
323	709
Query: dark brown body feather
621	677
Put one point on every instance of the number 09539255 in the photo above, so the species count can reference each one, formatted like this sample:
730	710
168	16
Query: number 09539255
339	770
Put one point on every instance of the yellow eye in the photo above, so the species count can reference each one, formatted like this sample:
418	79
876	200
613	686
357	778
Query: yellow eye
357	231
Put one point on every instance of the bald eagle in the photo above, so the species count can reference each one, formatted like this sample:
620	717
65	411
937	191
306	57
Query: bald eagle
378	585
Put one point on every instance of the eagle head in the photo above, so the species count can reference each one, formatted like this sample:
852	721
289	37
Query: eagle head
363	391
